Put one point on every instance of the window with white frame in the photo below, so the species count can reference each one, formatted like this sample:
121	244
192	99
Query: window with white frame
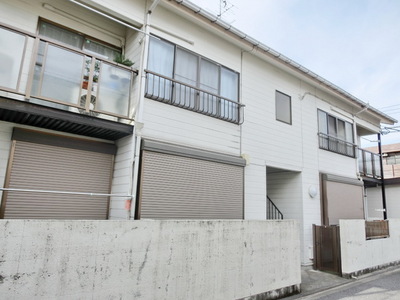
335	135
182	78
283	107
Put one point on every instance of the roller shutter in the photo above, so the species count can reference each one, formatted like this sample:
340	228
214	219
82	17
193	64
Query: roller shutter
342	199
182	187
43	166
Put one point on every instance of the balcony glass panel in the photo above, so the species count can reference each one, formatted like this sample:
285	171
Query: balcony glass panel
11	53
368	163
361	161
114	90
59	75
377	166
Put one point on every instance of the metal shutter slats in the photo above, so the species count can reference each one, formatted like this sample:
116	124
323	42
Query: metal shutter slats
45	167
177	187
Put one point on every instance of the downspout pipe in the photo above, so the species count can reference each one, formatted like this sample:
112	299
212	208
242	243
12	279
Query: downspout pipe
382	178
139	110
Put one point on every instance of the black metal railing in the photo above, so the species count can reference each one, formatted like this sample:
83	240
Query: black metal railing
273	212
180	94
369	164
330	143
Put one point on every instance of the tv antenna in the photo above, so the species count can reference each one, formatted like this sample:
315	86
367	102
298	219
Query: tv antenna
224	7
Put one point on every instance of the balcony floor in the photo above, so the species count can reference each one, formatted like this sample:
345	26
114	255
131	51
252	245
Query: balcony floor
50	118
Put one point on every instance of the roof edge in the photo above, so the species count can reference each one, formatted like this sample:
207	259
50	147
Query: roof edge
282	58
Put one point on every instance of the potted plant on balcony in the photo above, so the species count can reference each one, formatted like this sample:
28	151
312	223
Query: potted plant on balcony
96	72
121	59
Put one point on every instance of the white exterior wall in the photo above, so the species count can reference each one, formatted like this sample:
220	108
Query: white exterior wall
374	202
264	139
122	178
167	123
148	259
359	254
5	147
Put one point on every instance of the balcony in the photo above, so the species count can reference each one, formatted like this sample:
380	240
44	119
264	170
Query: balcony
42	73
177	93
369	164
333	144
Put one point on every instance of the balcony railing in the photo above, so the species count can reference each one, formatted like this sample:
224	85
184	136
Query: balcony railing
177	93
48	73
336	145
369	164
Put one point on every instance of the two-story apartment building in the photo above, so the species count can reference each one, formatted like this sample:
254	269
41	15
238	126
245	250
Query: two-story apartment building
208	123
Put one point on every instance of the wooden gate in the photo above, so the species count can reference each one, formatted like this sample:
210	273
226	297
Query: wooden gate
327	249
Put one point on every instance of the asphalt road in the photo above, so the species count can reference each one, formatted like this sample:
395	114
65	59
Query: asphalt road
382	286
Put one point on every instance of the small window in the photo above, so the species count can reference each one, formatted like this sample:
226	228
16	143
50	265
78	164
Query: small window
78	40
283	107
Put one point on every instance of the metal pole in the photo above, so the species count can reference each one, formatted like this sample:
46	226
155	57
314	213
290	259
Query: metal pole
63	192
382	179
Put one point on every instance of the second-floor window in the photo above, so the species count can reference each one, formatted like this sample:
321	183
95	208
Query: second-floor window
185	79
283	107
335	135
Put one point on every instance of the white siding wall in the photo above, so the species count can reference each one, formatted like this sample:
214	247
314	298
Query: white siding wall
25	14
264	139
132	11
133	51
5	147
191	36
167	123
310	175
255	192
172	124
122	177
374	202
285	190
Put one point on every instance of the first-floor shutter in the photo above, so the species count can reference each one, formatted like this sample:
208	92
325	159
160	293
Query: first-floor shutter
179	187
52	168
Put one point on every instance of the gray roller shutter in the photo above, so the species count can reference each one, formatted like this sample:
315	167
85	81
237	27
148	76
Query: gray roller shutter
182	187
47	167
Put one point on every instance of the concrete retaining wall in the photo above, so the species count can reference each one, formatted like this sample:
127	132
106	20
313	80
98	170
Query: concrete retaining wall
360	255
148	259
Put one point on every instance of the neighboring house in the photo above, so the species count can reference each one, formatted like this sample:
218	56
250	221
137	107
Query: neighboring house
206	124
373	180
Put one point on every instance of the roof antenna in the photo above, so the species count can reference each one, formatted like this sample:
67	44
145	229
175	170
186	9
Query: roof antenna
224	6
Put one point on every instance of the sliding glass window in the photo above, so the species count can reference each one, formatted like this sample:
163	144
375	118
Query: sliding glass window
335	135
185	79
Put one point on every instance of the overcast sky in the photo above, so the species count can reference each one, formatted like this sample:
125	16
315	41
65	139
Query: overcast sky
354	44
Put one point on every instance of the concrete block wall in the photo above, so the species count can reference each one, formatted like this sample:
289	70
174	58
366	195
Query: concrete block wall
148	259
360	255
